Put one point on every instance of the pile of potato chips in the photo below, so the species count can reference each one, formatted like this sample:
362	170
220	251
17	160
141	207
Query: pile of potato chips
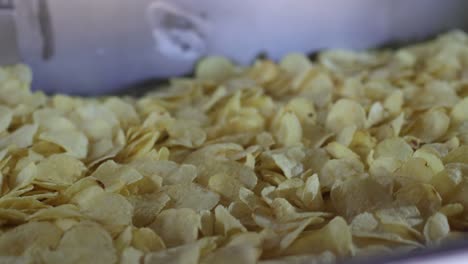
355	154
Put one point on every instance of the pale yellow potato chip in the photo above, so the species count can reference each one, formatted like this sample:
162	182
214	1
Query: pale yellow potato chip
191	195
287	128
459	111
6	115
338	170
414	170
110	209
146	240
393	148
436	229
423	196
233	254
147	207
431	125
75	143
84	243
177	226
214	68
335	237
131	255
21	137
343	113
355	196
114	176
187	254
225	223
16	241
60	169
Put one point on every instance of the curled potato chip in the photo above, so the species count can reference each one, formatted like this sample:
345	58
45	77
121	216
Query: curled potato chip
344	113
6	115
436	229
75	143
21	137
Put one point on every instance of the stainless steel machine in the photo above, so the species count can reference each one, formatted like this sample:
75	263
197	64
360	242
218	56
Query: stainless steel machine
92	47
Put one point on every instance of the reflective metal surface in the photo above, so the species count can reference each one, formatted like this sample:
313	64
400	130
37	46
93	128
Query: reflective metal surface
95	47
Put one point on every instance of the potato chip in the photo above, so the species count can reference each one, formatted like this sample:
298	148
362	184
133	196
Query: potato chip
131	255
114	176
191	195
242	163
110	209
431	125
177	226
393	148
233	254
225	223
334	237
60	169
75	143
33	234
355	196
146	240
147	207
214	68
21	137
83	243
188	254
436	229
344	113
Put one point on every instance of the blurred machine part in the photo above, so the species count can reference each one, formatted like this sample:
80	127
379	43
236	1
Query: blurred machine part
93	47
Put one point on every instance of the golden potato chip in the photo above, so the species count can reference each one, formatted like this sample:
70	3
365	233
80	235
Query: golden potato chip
423	196
177	226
